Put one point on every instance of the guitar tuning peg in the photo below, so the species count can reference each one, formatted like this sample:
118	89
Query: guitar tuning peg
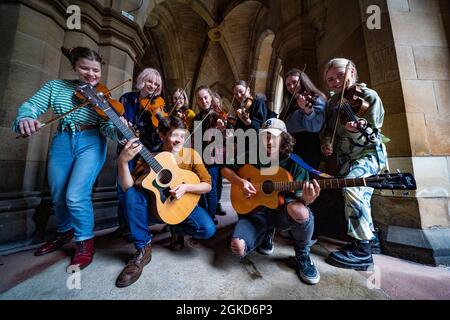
386	171
393	193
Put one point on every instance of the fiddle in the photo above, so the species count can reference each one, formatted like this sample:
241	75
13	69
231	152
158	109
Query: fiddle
309	96
155	106
218	114
244	107
117	106
354	106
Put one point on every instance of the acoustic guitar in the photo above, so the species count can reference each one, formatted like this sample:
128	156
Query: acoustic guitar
269	187
164	171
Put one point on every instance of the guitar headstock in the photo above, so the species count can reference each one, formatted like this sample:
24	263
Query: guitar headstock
96	98
392	181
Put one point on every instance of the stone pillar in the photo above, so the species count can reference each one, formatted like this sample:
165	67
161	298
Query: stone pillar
410	68
32	33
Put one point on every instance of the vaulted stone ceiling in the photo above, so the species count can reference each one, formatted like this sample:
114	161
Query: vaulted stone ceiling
181	49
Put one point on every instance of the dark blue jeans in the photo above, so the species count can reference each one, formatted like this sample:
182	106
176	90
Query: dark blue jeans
199	225
122	206
209	200
252	228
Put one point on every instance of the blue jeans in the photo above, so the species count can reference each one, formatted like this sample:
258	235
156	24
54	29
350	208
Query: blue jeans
199	225
252	228
209	200
74	162
122	206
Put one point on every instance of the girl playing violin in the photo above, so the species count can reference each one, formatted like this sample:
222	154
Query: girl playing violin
203	122
77	153
138	117
357	157
305	116
250	112
180	102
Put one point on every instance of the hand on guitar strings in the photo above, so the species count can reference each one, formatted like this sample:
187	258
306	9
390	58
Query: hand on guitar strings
311	191
179	191
131	149
247	188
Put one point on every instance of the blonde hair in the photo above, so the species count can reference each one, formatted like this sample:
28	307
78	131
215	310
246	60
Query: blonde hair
180	91
339	63
146	74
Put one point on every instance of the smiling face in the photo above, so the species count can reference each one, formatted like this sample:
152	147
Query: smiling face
241	92
89	71
173	140
204	99
291	83
150	85
178	100
335	78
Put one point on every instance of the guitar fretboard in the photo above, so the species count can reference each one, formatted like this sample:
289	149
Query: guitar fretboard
127	132
324	184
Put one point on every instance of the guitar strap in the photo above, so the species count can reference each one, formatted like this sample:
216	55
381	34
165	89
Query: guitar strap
306	166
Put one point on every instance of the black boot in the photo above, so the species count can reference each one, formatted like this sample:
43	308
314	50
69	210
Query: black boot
357	256
375	242
220	211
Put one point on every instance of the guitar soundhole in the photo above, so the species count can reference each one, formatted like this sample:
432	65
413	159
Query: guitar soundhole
165	176
267	187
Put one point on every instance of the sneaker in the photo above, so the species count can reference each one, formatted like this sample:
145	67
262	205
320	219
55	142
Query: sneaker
307	270
356	255
266	246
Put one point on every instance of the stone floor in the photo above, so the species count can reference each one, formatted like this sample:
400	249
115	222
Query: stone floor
207	270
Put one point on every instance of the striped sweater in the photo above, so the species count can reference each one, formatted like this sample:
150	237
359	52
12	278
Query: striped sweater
60	96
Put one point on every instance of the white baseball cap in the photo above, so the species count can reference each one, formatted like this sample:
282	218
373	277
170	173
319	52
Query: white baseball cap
274	126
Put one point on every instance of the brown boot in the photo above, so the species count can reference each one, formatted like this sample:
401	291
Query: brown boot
61	239
132	271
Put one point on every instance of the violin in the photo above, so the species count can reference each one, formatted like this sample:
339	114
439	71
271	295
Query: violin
309	96
355	107
245	106
354	96
218	114
116	105
155	106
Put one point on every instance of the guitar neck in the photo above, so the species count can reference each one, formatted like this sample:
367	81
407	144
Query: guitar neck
128	134
324	184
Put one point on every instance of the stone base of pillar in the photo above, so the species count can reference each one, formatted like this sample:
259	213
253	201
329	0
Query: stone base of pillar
27	218
428	246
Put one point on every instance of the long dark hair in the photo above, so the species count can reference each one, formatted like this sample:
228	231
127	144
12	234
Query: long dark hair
76	53
305	82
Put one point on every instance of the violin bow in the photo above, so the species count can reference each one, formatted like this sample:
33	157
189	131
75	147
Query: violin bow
81	105
184	90
285	111
341	100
